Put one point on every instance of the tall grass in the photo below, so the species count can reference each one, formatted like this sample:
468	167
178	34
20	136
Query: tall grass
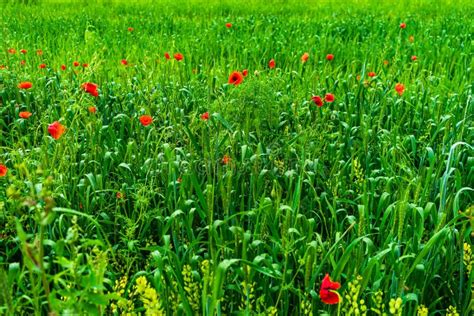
375	188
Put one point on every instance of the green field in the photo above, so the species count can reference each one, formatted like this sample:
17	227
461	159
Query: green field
293	139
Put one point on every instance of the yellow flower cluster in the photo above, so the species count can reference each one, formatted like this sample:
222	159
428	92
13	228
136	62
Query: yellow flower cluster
379	307
148	296
272	311
468	258
422	310
395	306
248	297
123	306
174	298
207	274
192	288
352	302
306	308
451	311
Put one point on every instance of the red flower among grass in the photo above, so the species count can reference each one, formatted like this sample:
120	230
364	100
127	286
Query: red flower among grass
119	195
245	72
63	67
90	88
228	25
85	65
92	109
271	64
39	52
328	293
226	160
23	51
76	63
167	55
317	100
3	170
305	57
23	62
56	130
12	51
146	120
205	116
236	78
124	62
329	57
42	66
403	25
400	88
178	56
371	74
25	85
130	29
414	58
329	97
25	115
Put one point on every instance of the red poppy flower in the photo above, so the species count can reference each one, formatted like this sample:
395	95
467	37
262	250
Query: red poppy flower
85	65
12	51
3	170
39	52
25	85
236	78
228	25
23	62
76	63
167	55
305	57
371	74
245	72
119	195
25	115
271	63
92	109
317	100
23	51
178	56
400	88
225	160
329	97
403	25
329	57
205	116
56	130
124	62
328	293
414	58
90	88
385	62
63	67
130	29
146	120
42	66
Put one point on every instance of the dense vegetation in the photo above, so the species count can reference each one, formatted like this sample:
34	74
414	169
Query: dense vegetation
233	179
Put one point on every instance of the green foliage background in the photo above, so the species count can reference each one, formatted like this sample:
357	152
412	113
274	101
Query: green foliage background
374	184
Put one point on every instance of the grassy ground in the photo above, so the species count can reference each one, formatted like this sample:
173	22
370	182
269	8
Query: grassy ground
246	211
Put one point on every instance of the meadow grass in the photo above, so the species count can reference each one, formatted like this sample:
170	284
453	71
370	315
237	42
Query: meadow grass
245	212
